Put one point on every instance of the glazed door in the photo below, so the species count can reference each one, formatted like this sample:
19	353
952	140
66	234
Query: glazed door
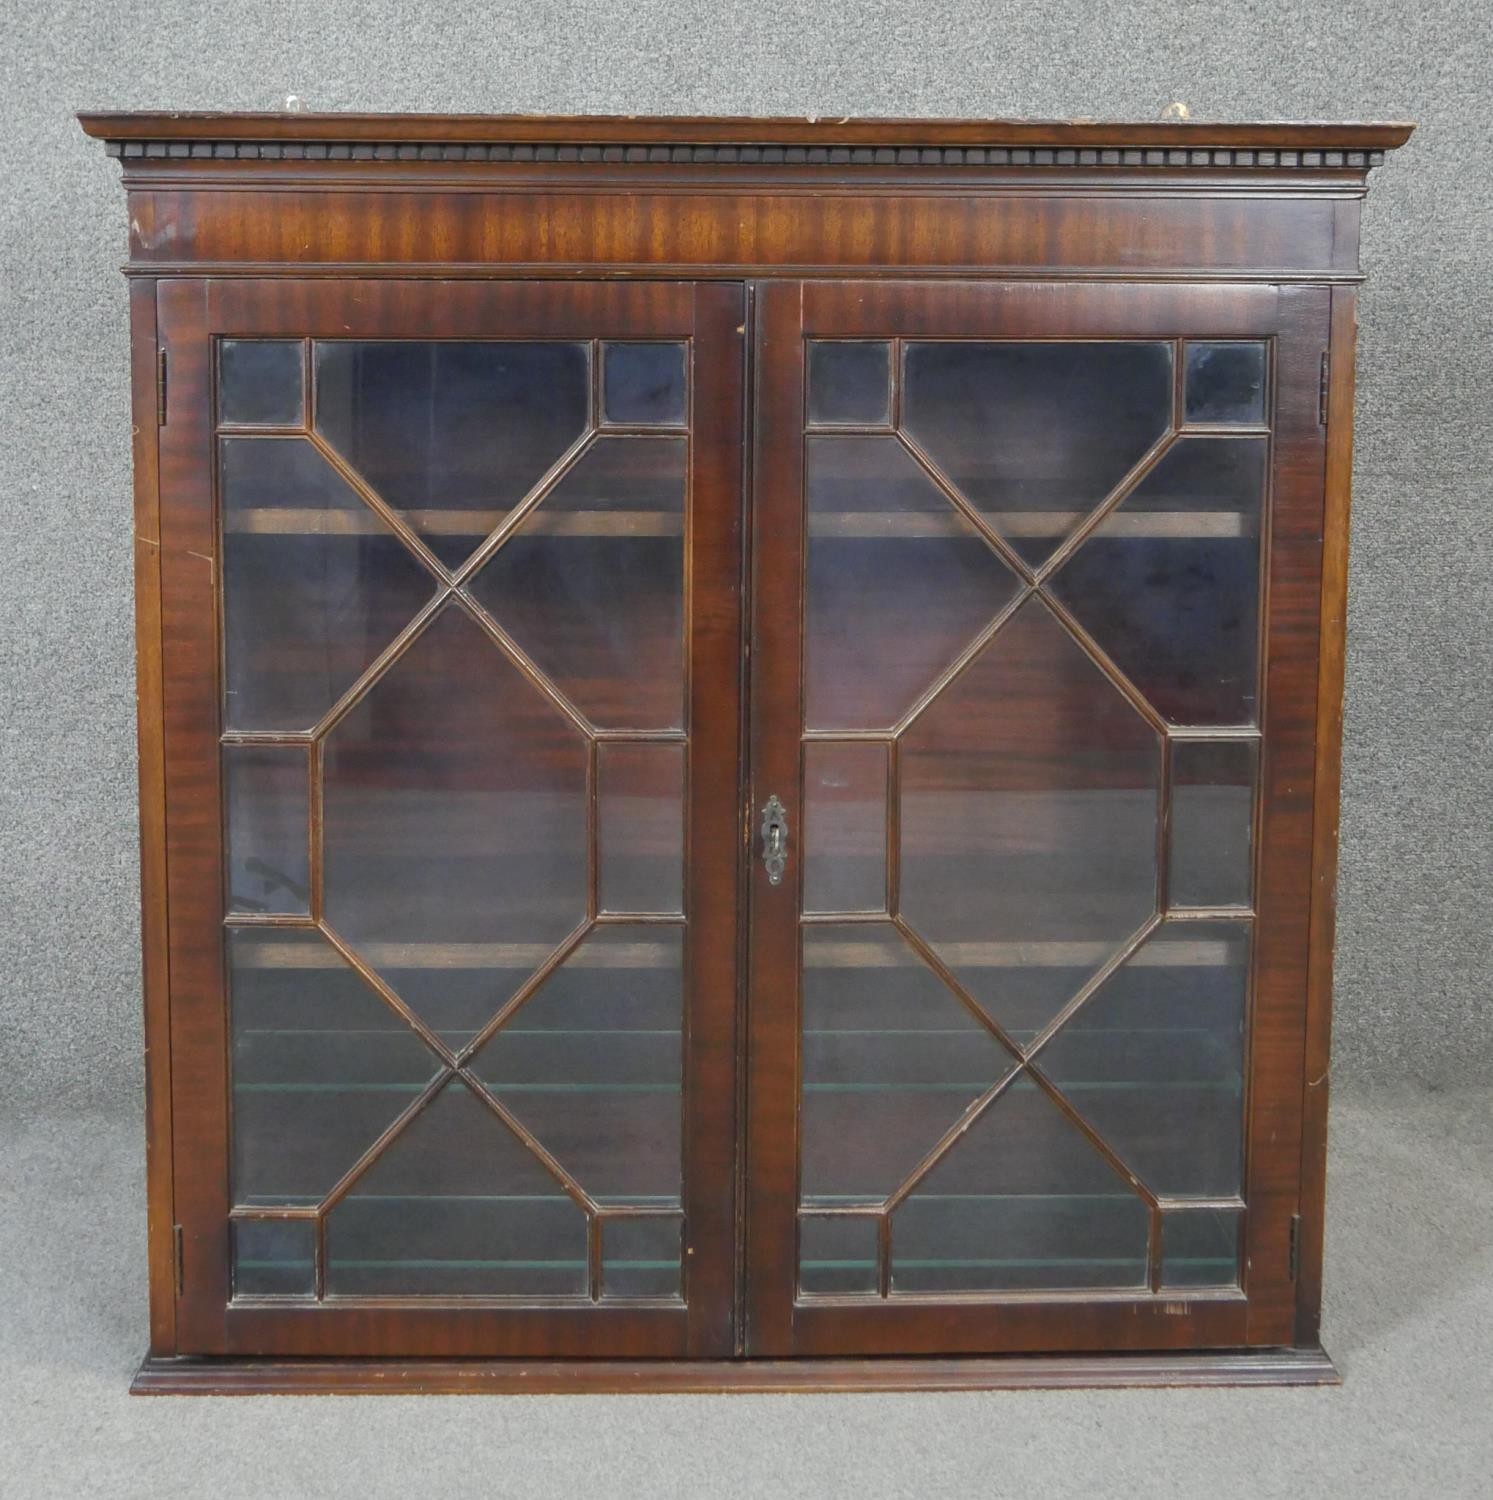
1033	701
451	596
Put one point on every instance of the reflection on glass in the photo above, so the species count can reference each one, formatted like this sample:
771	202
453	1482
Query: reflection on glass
591	1064
1035	435
899	583
1154	1060
1213	795
890	1061
314	584
454	813
640	827
457	1205
1021	1202
266	789
837	1253
640	1256
849	383
1200	1247
1169	582
260	382
273	1257
643	385
591	585
844	840
452	434
320	1065
1030	793
1225	383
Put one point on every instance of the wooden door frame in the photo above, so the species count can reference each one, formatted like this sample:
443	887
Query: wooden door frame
1295	319
191	315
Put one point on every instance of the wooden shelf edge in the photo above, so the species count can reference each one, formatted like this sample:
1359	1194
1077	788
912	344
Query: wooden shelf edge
362	1377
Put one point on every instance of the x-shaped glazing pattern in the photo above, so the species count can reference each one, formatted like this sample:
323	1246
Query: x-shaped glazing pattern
597	465
1034	609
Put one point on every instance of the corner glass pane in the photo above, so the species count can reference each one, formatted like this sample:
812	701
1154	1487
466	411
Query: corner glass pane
641	1256
273	1257
644	385
267	790
261	382
1200	1247
837	1253
1225	383
849	383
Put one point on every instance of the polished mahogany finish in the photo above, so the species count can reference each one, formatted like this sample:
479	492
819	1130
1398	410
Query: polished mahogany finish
739	741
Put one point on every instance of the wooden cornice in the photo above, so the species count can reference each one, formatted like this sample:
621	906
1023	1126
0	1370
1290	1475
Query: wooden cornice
1167	144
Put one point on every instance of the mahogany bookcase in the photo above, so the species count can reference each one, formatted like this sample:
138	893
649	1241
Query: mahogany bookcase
739	739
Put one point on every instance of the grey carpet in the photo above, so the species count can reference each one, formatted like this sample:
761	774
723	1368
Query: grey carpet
1409	1320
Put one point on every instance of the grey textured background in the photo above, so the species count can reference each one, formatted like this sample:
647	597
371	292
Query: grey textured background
1415	948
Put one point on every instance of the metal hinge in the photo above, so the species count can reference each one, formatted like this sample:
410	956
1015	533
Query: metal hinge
176	1256
1322	392
161	388
1294	1254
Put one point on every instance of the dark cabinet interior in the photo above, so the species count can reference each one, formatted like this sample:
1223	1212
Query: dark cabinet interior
738	739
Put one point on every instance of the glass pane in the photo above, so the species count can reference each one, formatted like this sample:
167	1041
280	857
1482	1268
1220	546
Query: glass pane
899	583
890	1061
591	1063
1155	1059
849	383
640	1257
267	790
274	1257
452	434
1021	1202
320	1065
643	384
314	584
837	1253
455	827
844	839
1169	583
457	1205
1036	435
1030	795
1225	383
261	382
640	827
1200	1247
591	585
1213	798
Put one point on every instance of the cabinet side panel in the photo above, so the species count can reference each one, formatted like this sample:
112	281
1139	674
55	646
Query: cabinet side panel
1325	810
1283	881
189	681
144	393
